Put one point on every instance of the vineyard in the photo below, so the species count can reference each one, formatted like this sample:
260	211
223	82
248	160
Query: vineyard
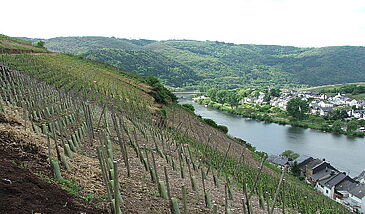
99	128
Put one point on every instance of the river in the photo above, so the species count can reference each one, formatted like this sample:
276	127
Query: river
345	153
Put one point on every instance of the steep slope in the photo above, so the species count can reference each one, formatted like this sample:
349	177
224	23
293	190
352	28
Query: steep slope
13	45
85	113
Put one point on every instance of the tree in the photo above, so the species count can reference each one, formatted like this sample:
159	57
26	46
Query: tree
337	126
233	99
188	107
290	154
337	115
351	125
224	129
221	96
40	44
275	92
212	94
295	170
160	92
297	108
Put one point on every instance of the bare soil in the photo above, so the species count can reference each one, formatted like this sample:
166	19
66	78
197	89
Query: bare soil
23	191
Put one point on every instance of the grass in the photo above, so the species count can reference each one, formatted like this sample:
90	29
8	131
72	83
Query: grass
327	87
331	87
70	186
75	73
7	42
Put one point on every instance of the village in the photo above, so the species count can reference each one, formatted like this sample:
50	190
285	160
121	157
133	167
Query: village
326	179
320	104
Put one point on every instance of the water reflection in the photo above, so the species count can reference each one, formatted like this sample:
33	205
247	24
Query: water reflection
344	152
295	130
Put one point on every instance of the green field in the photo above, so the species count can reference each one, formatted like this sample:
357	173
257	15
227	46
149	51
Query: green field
328	88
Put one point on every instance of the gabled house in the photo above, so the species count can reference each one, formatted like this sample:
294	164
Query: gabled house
342	190
361	178
327	185
339	99
278	160
316	109
307	167
314	167
356	198
302	160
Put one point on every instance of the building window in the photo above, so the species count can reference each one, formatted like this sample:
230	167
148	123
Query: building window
326	191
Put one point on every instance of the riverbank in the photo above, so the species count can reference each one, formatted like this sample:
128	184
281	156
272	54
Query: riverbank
343	151
276	115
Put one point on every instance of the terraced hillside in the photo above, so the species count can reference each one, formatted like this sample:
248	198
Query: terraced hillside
98	133
13	45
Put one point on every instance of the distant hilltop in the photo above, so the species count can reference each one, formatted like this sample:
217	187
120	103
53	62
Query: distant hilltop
205	64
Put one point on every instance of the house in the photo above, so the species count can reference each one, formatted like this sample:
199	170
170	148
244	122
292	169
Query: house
260	98
302	160
316	109
314	94
323	174
327	185
306	167
361	178
342	190
278	160
339	99
361	103
358	114
324	104
356	199
314	167
280	102
349	112
351	102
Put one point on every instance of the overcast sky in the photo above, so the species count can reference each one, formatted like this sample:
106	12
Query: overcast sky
304	23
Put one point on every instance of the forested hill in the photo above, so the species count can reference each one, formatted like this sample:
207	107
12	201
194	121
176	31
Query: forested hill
181	63
146	63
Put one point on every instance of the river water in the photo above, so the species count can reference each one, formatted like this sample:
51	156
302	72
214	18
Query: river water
345	153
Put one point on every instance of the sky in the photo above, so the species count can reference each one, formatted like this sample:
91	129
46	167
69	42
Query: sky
301	23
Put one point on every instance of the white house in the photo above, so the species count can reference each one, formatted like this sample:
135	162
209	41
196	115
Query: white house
357	198
339	99
358	113
260	98
351	102
327	184
324	104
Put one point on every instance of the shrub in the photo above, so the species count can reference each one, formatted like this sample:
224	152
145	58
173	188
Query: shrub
188	107
210	122
224	129
160	92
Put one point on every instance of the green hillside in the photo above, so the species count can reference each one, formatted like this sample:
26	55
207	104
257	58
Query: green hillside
77	45
14	45
99	134
146	63
224	65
